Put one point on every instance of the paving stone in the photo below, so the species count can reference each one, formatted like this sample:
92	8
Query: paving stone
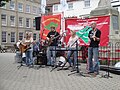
12	78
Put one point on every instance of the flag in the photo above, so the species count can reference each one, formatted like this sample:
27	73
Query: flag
64	5
47	21
43	5
83	34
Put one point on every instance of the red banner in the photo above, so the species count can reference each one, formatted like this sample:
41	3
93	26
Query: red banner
47	22
103	23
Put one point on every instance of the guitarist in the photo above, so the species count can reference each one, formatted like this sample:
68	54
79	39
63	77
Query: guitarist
28	42
52	38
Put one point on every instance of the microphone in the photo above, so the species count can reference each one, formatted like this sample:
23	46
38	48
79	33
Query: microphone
64	33
94	39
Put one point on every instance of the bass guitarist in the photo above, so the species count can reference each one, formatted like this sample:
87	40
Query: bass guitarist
52	38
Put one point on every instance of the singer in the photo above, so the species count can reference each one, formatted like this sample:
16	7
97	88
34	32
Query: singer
94	37
71	45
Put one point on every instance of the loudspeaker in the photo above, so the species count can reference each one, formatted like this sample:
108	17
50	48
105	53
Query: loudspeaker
37	22
41	59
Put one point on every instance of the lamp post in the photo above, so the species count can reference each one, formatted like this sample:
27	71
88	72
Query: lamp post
16	20
0	28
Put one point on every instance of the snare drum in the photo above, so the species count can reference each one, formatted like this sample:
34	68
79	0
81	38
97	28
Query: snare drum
61	61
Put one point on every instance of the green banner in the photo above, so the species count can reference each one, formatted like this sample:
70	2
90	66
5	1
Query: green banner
83	34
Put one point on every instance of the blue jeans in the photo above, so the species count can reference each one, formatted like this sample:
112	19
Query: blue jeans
74	61
29	57
93	54
51	55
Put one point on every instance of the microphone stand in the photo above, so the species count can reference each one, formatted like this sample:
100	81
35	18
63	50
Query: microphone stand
107	75
40	50
77	68
21	53
54	62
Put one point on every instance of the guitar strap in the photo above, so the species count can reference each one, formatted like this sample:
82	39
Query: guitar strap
55	33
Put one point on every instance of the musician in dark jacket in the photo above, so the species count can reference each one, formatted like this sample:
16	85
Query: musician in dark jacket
93	49
52	38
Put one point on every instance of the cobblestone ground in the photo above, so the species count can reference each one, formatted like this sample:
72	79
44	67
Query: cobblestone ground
26	78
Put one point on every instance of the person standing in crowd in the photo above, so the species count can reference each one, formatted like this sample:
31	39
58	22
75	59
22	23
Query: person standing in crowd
36	48
52	38
28	42
93	49
72	45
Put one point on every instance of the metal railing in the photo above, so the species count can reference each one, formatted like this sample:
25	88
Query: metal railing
109	53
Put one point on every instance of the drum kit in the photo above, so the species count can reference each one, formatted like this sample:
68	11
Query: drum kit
42	57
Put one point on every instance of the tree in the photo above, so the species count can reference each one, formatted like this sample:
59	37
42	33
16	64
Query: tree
3	2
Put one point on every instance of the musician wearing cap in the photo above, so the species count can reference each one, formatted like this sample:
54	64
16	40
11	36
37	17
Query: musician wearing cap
52	38
72	45
94	37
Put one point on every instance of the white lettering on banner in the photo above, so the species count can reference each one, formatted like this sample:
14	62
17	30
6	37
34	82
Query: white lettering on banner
103	23
75	27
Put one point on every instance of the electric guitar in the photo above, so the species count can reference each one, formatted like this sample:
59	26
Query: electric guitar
51	40
48	42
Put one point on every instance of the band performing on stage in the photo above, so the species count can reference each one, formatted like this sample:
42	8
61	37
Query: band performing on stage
53	51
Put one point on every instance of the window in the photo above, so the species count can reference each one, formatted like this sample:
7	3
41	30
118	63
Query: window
28	22
4	7
27	8
70	6
34	10
34	36
47	9
55	7
39	35
20	21
115	22
87	3
114	0
4	36
12	36
12	20
34	25
20	7
20	36
39	10
12	5
4	19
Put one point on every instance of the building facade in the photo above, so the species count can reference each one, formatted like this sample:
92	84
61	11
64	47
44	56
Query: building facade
82	9
16	18
76	8
116	4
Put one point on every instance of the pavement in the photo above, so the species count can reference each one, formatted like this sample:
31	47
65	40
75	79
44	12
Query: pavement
12	78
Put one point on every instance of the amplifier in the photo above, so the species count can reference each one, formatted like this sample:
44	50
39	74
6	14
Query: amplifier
41	59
